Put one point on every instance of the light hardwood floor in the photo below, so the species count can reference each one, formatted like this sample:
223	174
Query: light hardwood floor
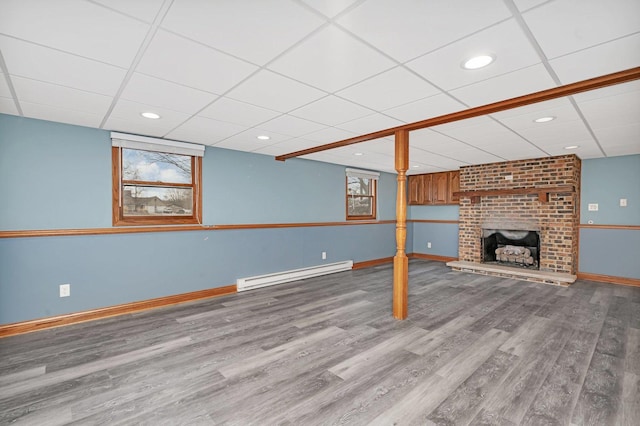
475	350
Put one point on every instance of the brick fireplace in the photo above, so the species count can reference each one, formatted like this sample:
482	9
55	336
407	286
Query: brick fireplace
539	195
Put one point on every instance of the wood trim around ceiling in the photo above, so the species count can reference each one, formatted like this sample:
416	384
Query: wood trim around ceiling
520	101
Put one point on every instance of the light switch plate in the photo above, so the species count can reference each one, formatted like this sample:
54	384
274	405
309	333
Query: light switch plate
623	202
593	207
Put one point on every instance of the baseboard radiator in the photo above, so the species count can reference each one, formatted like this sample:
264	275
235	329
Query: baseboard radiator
295	274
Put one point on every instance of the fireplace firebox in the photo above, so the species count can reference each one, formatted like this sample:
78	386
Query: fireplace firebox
511	248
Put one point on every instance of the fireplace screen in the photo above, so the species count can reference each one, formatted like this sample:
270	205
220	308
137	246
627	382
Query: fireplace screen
511	248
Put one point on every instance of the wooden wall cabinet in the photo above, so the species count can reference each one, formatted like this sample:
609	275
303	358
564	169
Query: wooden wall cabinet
416	189
434	188
454	186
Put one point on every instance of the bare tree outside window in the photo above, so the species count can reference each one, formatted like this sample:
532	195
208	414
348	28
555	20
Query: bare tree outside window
156	186
361	198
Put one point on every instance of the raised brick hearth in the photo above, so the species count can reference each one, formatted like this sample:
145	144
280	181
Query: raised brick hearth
554	214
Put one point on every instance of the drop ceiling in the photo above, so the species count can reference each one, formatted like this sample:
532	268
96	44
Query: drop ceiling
311	72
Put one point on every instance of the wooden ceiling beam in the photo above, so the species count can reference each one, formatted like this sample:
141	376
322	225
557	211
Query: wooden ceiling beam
520	101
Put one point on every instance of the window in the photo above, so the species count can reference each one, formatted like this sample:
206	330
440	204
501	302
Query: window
361	194
155	182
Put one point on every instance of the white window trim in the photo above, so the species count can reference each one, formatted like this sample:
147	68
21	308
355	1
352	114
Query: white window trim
364	174
123	140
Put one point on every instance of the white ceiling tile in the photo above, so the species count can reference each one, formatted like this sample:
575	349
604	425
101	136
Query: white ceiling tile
381	146
405	29
331	110
511	85
75	26
564	113
329	8
619	140
225	109
285	147
537	110
433	159
428	140
622	150
291	126
161	93
419	168
255	30
632	86
61	115
126	117
617	55
433	106
177	59
483	134
270	90
141	9
588	149
476	156
528	4
4	87
389	89
248	141
369	124
469	122
205	130
562	27
610	111
38	92
8	106
40	63
562	133
506	41
316	59
517	151
329	135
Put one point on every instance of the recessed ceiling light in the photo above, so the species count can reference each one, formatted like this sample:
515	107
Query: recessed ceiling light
264	137
544	119
416	167
477	62
358	153
151	115
572	147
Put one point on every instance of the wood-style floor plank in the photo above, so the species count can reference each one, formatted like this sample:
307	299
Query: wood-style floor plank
475	349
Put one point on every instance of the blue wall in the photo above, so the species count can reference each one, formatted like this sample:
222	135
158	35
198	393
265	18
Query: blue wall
58	176
605	181
610	251
53	176
443	236
106	270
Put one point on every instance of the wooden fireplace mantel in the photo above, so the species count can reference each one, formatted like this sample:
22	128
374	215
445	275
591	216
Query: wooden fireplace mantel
543	193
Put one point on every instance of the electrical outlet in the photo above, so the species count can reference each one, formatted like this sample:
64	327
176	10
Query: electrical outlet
324	255
623	202
65	290
429	244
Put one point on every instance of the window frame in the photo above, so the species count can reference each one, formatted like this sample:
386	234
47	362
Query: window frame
373	197
118	184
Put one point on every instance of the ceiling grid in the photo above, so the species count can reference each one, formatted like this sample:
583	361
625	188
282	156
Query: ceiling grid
306	73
